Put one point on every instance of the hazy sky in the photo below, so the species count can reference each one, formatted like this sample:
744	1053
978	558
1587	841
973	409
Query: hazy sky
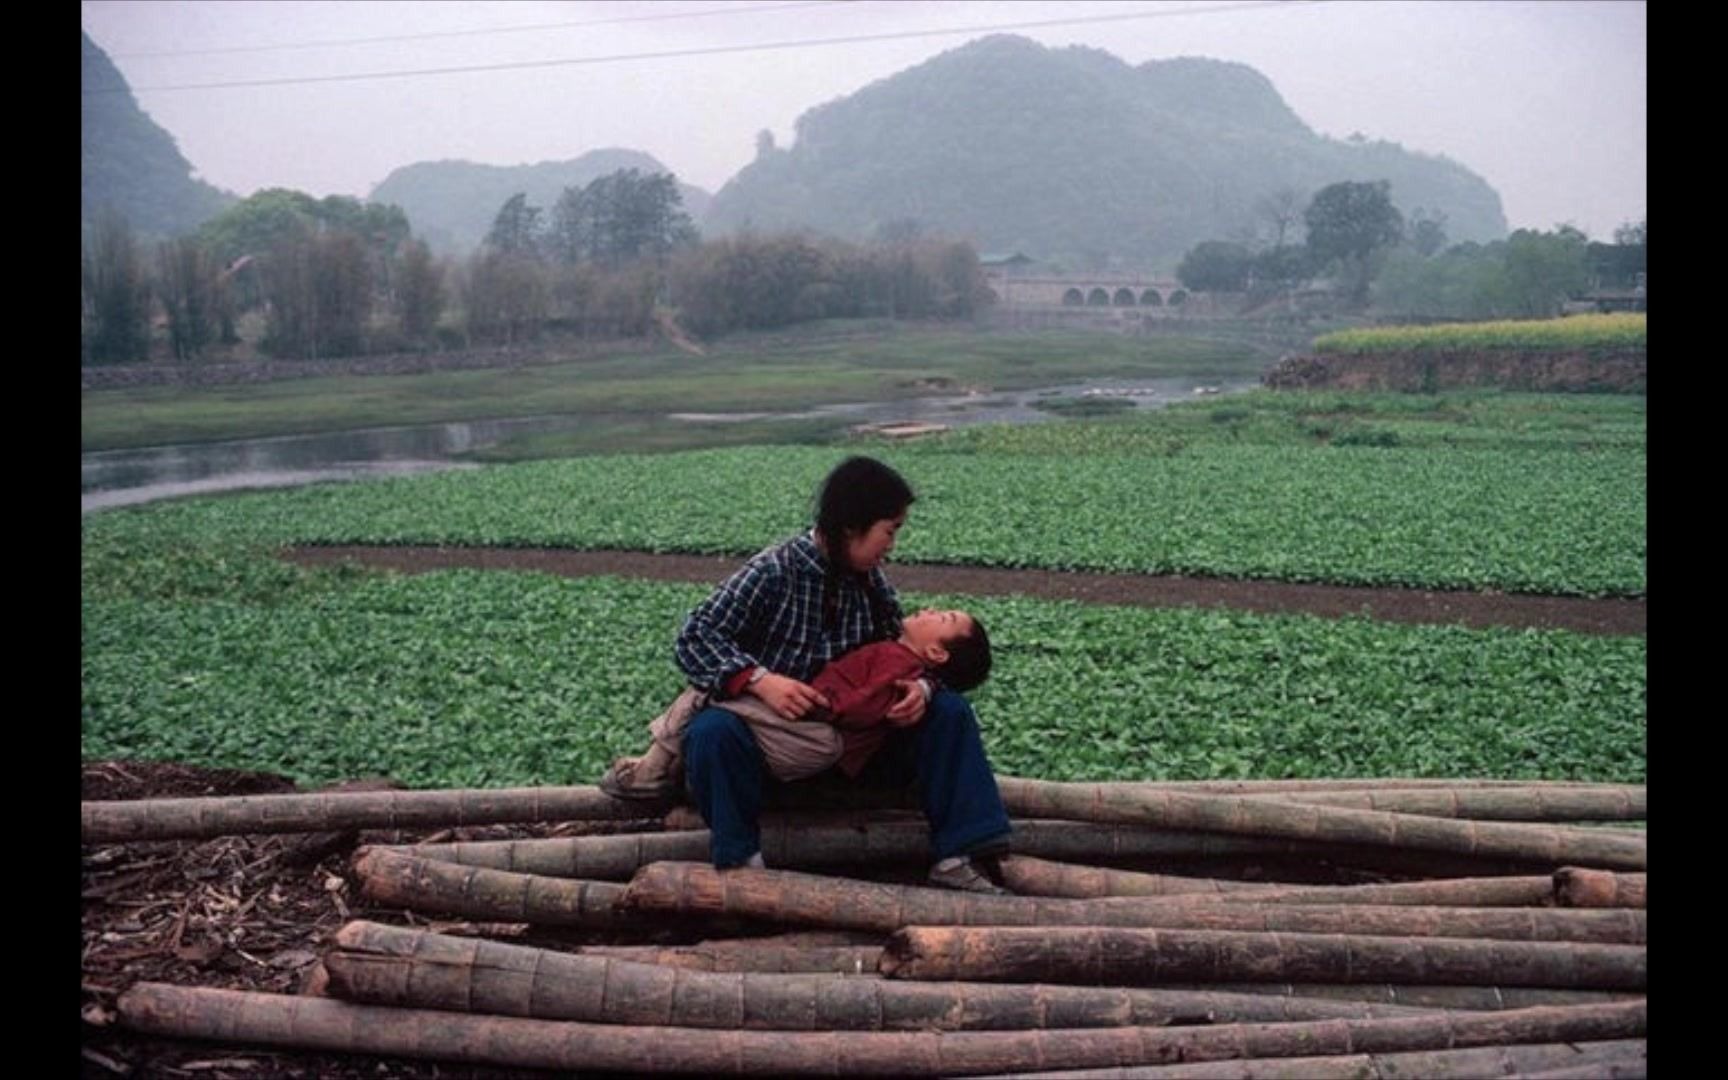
1545	99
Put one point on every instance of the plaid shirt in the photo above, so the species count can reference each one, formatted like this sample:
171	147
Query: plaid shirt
770	613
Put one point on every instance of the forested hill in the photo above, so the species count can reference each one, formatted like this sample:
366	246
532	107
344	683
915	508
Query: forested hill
1073	152
451	204
128	162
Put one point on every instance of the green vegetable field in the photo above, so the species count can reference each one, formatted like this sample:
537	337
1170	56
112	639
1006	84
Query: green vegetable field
199	646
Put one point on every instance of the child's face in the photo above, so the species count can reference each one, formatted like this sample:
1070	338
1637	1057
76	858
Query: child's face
929	631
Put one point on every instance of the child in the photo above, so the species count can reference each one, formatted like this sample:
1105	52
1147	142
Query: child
857	688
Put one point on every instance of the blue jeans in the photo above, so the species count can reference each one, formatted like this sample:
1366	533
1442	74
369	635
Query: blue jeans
943	754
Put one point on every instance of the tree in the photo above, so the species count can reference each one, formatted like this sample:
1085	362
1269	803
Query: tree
641	216
1428	232
1543	269
1620	265
117	294
1630	235
419	291
1215	266
1528	275
343	289
187	285
1280	211
576	226
1281	269
504	297
320	290
1348	222
958	278
259	223
516	229
620	217
899	231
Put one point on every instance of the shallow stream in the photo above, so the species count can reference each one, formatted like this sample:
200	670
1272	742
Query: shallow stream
126	477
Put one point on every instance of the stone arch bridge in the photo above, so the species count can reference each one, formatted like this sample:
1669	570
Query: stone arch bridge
1101	290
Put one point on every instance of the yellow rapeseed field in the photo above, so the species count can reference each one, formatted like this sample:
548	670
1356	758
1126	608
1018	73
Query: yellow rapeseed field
1574	332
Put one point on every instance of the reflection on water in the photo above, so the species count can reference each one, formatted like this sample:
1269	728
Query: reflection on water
126	477
149	490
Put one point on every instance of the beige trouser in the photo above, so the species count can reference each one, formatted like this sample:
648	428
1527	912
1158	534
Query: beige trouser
793	749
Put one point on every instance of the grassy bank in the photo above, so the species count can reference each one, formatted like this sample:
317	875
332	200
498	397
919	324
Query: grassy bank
628	394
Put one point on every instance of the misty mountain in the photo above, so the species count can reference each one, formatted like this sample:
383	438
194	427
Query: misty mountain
1073	153
451	204
127	161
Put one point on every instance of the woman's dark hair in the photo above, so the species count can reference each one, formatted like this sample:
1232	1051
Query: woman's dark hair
858	493
968	663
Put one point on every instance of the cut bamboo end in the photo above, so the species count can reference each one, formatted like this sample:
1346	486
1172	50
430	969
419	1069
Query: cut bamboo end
394	879
1576	886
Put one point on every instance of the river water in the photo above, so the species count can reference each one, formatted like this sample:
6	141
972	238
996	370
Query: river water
127	477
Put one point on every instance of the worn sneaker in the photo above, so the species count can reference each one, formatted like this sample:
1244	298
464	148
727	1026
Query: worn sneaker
621	782
963	874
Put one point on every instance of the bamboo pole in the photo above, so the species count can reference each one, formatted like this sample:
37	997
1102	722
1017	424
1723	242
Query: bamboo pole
1604	1056
615	858
746	956
1606	803
1133	957
595	858
201	818
783	896
1424	997
1029	875
1041	877
1578	887
790	843
1287	786
1247	816
396	880
1631	1067
384	965
327	1025
798	952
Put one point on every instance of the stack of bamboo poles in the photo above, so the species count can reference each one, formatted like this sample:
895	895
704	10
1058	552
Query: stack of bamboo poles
1513	942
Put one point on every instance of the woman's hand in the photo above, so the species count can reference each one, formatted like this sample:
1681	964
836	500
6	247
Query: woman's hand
788	697
909	705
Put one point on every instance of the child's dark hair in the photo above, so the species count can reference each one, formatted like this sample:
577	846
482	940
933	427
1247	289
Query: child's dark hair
968	663
858	493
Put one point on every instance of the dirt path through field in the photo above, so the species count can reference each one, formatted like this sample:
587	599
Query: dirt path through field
1476	609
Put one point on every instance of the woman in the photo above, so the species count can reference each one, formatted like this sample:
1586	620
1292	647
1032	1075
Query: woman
767	629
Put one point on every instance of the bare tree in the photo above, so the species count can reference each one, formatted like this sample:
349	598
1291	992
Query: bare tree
186	284
1280	211
419	291
117	294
